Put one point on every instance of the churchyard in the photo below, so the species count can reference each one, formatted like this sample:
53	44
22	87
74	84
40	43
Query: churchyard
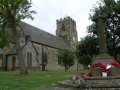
100	52
35	80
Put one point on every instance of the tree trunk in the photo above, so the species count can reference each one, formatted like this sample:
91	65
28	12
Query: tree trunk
43	67
77	65
4	60
16	36
66	68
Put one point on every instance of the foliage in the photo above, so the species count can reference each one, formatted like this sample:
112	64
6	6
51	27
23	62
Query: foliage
110	8
15	9
85	60
66	59
36	80
86	49
5	38
118	57
11	13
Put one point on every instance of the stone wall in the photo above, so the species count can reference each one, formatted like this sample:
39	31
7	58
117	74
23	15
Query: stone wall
36	51
52	58
29	48
38	47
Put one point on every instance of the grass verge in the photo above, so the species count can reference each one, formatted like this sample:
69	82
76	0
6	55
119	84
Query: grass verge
34	80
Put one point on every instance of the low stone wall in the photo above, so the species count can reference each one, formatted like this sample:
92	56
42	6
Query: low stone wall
92	83
105	83
114	71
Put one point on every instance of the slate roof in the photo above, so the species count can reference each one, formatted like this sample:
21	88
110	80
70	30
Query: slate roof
42	37
12	51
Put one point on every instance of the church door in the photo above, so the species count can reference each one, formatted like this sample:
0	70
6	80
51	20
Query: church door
13	63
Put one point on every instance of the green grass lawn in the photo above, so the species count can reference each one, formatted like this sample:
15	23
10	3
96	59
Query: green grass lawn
33	81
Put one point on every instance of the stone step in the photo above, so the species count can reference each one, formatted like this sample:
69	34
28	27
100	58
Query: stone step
93	83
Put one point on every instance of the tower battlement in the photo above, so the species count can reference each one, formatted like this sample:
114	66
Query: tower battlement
66	19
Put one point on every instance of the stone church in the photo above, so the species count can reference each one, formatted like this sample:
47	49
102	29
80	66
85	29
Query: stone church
40	48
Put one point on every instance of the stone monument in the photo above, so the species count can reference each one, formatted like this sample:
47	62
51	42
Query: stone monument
103	55
110	82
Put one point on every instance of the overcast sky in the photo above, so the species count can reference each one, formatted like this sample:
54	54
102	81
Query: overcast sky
48	11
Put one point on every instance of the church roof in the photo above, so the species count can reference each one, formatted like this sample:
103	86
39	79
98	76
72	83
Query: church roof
42	37
12	50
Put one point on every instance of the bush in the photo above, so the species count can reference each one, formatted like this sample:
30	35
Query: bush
66	59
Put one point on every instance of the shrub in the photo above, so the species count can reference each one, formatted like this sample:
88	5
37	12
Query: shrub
66	59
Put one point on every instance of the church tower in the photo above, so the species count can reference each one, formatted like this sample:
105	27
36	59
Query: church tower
66	29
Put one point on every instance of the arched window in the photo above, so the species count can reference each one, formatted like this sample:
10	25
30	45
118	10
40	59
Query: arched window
29	59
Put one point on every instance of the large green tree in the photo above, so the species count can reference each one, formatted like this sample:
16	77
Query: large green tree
87	49
111	8
11	13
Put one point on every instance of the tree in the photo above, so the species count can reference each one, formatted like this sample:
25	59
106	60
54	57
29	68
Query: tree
85	60
66	59
11	13
4	42
111	9
87	49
